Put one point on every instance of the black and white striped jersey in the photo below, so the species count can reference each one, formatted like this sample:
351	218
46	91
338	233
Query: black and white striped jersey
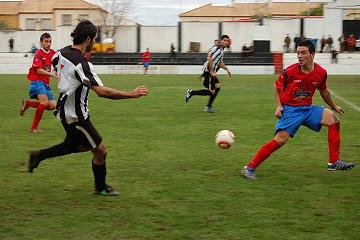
76	75
217	54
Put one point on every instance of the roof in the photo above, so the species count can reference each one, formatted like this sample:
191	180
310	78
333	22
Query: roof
251	9
44	6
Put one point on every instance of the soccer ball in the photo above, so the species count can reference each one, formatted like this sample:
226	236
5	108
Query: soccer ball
225	139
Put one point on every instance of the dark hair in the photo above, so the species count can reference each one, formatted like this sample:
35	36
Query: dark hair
309	44
224	36
44	35
82	31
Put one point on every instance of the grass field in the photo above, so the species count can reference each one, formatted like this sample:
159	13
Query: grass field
174	182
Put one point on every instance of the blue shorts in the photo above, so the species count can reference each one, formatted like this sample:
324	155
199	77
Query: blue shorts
293	117
39	87
146	64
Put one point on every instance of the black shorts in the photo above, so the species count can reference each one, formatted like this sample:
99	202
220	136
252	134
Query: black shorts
209	82
82	134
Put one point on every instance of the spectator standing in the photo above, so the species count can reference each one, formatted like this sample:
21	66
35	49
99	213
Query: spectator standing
342	42
351	42
172	51
287	41
11	44
322	43
329	42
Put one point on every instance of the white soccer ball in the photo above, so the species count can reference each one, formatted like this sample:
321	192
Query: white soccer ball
225	139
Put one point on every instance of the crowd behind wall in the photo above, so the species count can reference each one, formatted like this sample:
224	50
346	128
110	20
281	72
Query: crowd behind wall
160	38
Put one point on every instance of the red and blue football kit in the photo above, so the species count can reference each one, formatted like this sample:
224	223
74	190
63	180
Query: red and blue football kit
297	88
296	92
41	60
146	56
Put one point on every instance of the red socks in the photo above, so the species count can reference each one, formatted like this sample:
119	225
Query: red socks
38	115
334	142
264	152
33	104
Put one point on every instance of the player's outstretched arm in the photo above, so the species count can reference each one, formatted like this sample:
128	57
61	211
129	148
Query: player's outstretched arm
223	66
325	95
44	72
107	92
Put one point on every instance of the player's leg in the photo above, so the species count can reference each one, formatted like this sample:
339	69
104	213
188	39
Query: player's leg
286	127
87	137
64	148
330	120
51	99
99	170
264	152
201	92
26	103
217	87
34	89
146	67
43	104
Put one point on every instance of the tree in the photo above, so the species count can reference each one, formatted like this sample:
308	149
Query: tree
4	25
118	12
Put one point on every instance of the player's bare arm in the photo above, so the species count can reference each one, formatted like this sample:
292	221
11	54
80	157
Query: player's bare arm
107	92
326	96
279	107
223	66
44	72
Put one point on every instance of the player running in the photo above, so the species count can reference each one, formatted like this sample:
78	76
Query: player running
294	90
77	78
211	66
39	76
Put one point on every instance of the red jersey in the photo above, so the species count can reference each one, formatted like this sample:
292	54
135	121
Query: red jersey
41	60
146	56
297	88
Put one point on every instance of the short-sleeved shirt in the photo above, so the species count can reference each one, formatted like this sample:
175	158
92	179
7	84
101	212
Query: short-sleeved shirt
217	54
76	76
41	60
146	56
297	88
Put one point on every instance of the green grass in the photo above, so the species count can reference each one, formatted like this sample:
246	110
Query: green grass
175	183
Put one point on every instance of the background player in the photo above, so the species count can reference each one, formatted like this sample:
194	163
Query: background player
77	77
39	76
294	90
146	58
211	66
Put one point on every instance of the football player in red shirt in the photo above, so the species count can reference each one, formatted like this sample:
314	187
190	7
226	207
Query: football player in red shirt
294	90
39	77
146	57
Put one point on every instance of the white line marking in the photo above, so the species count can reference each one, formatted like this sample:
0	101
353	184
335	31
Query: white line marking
354	106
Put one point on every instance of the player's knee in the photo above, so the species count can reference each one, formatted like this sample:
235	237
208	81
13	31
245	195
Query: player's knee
334	119
281	137
100	152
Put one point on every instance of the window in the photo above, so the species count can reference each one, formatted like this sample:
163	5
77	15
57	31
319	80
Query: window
45	24
30	24
66	20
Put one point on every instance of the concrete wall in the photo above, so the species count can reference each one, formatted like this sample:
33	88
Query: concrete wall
204	33
159	38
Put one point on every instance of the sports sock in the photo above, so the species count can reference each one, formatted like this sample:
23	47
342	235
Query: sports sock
212	97
202	92
264	152
33	104
99	175
334	142
56	151
38	115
